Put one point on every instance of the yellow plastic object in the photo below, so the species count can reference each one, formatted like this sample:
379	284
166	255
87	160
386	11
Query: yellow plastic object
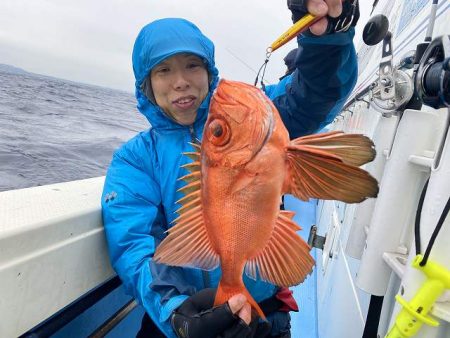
300	26
414	313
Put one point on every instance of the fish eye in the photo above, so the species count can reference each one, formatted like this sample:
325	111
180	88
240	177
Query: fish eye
218	132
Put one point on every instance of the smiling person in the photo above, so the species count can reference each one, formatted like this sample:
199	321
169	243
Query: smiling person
178	85
174	67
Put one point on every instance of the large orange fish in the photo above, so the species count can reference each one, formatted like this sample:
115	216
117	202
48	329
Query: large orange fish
231	212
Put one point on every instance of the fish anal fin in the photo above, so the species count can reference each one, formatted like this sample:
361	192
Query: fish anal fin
289	214
285	261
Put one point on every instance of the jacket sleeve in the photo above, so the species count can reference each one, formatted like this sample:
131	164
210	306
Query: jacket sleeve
134	225
326	72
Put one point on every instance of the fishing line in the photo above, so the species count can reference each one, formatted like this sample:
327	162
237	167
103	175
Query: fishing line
263	68
300	26
240	60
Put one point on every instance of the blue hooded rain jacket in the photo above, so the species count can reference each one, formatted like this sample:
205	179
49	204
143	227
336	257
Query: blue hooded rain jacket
141	184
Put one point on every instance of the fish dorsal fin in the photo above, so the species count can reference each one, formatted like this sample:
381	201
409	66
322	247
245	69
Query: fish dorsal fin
285	261
325	166
187	243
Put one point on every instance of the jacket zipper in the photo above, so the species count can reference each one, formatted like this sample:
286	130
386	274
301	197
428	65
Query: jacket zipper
192	132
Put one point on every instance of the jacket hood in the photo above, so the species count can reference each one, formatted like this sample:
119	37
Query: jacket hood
156	42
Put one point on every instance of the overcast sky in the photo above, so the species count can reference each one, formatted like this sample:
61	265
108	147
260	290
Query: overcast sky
91	41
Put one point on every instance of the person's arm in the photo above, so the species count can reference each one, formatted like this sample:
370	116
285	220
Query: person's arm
134	225
326	73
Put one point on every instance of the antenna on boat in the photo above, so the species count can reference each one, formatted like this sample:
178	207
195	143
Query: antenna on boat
432	20
421	47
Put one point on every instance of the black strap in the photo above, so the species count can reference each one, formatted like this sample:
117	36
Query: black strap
435	233
418	216
373	317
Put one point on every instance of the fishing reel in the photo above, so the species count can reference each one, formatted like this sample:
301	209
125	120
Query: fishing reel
432	80
394	87
421	78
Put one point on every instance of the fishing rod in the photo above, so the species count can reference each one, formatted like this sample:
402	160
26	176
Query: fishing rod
348	18
300	26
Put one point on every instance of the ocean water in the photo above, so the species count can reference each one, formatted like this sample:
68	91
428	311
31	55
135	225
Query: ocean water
54	130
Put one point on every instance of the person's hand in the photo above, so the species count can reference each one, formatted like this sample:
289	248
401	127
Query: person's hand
256	329
332	8
196	317
337	15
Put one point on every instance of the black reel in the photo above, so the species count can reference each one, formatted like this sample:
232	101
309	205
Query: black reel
375	29
432	80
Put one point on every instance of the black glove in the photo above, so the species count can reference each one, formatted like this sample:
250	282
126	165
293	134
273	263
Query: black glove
197	318
256	329
348	18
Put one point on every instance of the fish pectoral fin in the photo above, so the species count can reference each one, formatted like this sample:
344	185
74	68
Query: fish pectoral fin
353	149
325	166
285	261
187	243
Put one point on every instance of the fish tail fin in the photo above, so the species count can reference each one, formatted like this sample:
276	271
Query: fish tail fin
325	166
254	304
224	294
